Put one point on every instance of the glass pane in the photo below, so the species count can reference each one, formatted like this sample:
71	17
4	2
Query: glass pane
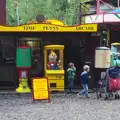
54	60
115	50
8	50
61	60
37	58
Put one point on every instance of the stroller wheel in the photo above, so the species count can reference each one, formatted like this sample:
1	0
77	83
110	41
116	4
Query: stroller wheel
117	96
106	97
100	95
111	95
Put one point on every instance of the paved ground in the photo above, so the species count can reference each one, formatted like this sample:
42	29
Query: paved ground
62	107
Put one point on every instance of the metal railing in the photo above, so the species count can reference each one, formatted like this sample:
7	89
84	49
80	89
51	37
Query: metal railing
84	9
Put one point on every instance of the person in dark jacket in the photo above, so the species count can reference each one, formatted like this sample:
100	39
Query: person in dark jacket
84	81
71	72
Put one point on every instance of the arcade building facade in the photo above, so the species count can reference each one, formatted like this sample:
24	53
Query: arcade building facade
79	46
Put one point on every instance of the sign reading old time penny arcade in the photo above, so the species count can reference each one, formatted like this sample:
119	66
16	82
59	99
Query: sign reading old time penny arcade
50	28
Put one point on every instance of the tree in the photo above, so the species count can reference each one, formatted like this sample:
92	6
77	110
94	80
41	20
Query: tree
10	13
64	10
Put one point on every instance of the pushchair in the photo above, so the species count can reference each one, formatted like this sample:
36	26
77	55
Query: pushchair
110	84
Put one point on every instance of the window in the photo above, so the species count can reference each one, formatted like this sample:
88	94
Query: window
54	59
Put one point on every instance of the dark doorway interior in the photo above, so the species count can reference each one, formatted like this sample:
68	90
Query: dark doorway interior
7	62
114	36
74	52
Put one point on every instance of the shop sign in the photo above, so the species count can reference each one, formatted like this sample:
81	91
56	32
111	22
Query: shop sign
40	89
50	28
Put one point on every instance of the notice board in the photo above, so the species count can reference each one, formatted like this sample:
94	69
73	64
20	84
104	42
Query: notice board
40	89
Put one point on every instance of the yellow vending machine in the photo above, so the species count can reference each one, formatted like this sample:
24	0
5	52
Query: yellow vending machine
53	66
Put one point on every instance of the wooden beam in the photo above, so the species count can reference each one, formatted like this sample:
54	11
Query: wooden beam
2	12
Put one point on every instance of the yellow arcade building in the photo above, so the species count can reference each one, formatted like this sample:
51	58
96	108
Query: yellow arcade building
69	44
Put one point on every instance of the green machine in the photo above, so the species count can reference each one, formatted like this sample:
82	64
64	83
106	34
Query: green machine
115	54
23	64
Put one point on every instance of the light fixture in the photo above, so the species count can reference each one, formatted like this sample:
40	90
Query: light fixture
104	32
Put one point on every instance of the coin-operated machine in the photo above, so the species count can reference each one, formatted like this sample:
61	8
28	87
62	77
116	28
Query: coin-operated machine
102	62
53	66
102	57
115	54
23	64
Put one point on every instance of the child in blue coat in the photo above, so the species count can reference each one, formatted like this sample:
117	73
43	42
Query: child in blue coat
84	81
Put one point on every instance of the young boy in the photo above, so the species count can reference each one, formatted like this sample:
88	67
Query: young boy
71	72
84	80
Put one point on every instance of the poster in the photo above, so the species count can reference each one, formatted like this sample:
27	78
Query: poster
40	89
103	75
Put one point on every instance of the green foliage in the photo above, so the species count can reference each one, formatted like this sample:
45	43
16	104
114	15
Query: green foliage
63	10
84	10
10	12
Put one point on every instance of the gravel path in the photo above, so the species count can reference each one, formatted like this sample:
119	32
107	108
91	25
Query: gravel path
62	107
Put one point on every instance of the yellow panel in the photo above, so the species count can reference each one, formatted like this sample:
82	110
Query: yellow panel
55	71
55	89
55	76
59	84
115	43
55	22
50	28
54	47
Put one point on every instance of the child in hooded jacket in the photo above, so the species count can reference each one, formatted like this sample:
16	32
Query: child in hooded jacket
71	72
84	81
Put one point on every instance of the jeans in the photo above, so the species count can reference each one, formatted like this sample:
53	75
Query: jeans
85	90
